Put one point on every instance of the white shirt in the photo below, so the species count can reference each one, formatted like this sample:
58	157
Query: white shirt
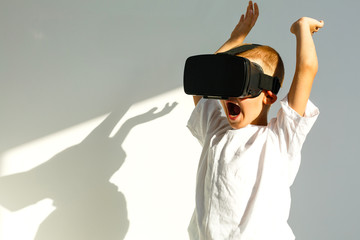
244	175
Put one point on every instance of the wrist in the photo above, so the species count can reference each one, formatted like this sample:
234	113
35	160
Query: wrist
234	42
296	26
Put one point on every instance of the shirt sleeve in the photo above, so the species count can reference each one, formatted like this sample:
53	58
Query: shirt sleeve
206	119
292	128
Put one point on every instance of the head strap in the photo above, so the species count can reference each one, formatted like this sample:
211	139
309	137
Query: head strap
267	82
242	48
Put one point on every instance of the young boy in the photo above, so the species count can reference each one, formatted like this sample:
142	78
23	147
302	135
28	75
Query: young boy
248	164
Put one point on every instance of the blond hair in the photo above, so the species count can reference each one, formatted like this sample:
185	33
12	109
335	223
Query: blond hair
268	58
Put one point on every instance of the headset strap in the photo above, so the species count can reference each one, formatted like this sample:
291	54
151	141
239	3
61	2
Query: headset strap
241	49
267	82
270	83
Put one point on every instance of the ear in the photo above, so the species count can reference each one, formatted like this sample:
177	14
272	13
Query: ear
269	97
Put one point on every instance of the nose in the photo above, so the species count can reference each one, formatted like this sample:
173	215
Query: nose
233	99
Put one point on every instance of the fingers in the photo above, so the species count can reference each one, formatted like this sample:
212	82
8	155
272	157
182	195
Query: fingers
252	13
256	13
256	8
242	18
321	24
317	25
249	10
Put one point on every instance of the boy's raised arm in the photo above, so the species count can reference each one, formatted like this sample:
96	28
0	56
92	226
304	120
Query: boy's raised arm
306	63
241	30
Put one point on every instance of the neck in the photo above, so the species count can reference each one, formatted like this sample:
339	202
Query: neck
262	119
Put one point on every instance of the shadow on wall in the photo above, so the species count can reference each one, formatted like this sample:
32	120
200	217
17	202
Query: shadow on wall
80	58
87	205
71	61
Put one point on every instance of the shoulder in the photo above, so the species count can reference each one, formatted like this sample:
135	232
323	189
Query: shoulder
288	116
207	107
290	129
206	119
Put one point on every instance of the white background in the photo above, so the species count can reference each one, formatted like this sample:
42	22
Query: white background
82	153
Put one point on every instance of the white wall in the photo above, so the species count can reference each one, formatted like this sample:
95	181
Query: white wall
83	154
66	191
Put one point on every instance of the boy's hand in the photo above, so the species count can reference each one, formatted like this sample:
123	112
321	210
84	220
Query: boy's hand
312	24
243	28
245	24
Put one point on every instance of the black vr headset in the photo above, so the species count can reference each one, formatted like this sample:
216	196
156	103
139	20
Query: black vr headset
225	75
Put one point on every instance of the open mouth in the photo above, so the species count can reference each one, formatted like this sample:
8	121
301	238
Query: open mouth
233	110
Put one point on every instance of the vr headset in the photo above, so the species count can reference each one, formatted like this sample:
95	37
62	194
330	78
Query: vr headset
225	75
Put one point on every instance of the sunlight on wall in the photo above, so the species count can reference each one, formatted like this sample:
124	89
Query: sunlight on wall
32	154
23	224
157	177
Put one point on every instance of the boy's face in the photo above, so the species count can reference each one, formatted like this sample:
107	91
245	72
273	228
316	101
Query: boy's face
241	112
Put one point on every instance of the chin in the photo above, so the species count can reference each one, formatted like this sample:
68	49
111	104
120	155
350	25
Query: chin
237	125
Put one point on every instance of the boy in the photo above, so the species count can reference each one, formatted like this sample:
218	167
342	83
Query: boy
248	164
